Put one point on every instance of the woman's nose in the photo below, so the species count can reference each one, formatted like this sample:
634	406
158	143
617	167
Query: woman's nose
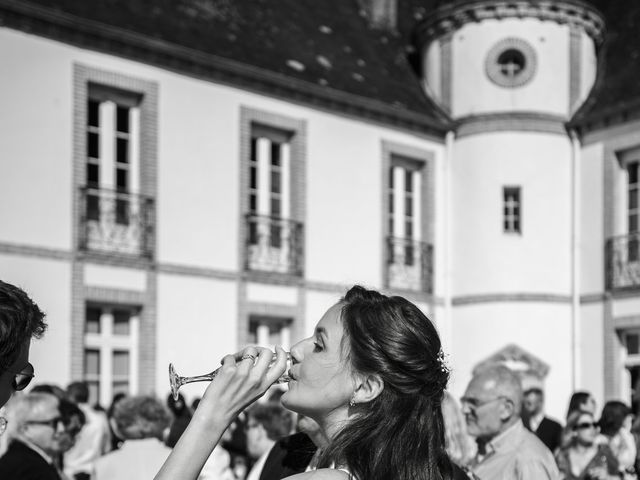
296	353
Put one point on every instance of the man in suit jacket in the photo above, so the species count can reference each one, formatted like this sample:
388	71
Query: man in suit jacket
36	435
289	456
546	429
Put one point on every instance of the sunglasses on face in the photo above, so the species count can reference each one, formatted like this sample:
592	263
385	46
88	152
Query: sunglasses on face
53	423
585	425
22	378
473	403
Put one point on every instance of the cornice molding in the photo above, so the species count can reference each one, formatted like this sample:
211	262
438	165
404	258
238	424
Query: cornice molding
510	121
453	16
511	297
137	47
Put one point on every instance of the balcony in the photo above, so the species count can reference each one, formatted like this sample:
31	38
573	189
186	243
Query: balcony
623	262
409	265
274	245
115	222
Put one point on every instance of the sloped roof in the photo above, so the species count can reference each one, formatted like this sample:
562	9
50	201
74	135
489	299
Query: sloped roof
325	43
617	88
329	46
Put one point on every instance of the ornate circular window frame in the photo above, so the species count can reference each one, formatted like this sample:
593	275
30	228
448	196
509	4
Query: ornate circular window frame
497	76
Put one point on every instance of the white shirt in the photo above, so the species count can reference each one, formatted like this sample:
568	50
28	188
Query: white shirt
255	472
535	421
218	466
136	459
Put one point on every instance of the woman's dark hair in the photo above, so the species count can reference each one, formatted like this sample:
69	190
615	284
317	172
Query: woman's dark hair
20	319
612	418
577	400
399	434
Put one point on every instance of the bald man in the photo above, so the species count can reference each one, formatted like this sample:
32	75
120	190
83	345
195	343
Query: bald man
506	449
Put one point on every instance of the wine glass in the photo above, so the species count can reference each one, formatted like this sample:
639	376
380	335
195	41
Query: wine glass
176	381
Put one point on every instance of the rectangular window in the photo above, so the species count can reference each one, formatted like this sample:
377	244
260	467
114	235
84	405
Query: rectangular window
512	209
115	214
110	351
407	251
269	228
267	331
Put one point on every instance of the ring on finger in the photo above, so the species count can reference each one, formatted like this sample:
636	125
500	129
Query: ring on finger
248	356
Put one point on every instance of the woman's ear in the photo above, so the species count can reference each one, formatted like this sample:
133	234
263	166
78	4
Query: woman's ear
368	387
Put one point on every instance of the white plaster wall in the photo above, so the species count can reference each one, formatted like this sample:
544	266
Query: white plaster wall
626	307
592	372
480	330
48	283
547	92
115	277
196	321
35	144
484	258
316	304
592	240
198	165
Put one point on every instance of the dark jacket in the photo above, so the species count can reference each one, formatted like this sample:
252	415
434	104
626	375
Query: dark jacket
20	462
549	432
288	456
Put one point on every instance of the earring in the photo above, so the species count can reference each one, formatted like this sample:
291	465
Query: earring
352	402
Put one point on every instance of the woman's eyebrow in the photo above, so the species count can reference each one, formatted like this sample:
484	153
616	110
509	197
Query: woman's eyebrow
321	331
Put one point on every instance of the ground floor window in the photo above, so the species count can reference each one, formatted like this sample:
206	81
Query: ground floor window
110	362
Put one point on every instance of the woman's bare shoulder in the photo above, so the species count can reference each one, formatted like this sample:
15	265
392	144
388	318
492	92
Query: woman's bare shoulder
321	474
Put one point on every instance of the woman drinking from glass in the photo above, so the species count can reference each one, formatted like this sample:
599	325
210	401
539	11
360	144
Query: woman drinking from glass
372	375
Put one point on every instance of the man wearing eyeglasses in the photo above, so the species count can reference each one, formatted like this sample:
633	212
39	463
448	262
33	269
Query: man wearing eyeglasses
506	449
36	436
20	319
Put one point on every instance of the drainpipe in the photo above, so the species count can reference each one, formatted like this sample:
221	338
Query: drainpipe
576	348
447	213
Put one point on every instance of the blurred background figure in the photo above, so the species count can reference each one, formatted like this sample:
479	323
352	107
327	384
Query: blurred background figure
93	440
581	401
293	454
140	421
181	416
615	430
546	429
459	445
36	436
266	424
116	442
581	456
218	466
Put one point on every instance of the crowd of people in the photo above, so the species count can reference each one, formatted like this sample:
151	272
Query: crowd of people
367	400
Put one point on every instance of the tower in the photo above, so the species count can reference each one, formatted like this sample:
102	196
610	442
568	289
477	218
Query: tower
510	74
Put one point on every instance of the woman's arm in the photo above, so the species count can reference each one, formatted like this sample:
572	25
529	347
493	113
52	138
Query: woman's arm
238	383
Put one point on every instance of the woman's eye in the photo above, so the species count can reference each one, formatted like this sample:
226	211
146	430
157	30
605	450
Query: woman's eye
317	347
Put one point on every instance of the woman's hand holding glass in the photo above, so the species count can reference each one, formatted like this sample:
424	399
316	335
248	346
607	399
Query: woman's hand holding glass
243	378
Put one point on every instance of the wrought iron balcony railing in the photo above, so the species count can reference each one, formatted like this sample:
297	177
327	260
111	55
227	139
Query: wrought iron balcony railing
274	245
623	262
116	222
409	264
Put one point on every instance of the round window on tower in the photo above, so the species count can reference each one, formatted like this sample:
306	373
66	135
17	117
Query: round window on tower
511	63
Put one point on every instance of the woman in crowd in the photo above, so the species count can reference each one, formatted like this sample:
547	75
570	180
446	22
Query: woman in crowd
615	430
372	376
140	421
581	456
459	445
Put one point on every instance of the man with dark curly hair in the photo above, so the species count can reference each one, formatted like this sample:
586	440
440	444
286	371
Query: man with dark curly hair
20	319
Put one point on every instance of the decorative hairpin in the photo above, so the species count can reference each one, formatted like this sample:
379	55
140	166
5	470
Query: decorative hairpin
442	360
